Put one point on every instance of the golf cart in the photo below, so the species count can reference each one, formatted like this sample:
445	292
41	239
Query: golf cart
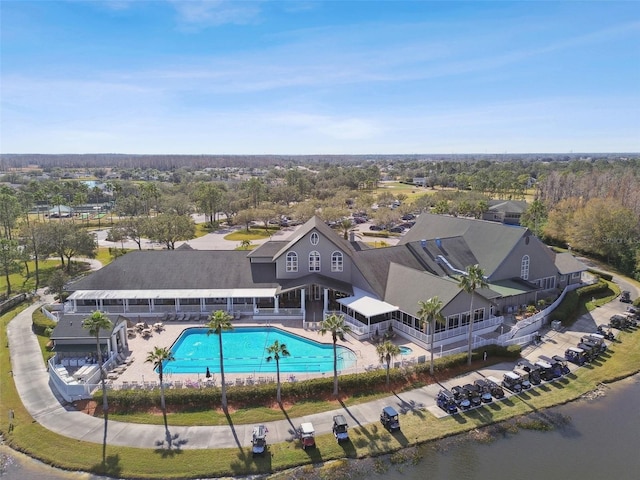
460	397
575	355
596	339
511	381
606	332
525	381
446	401
484	387
473	394
389	419
259	440
532	369
560	366
546	370
307	435
340	428
625	296
590	350
494	385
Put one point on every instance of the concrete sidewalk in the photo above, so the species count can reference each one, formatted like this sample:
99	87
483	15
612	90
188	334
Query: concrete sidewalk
32	382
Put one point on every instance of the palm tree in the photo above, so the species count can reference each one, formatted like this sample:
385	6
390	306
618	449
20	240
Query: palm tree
277	351
387	350
338	328
470	282
219	321
94	323
430	313
158	356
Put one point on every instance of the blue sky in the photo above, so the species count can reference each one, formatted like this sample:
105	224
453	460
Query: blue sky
319	77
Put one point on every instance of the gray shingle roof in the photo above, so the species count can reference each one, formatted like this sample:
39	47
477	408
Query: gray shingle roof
70	327
567	263
488	242
178	269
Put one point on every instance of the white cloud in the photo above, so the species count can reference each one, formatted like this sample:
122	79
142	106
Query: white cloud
197	14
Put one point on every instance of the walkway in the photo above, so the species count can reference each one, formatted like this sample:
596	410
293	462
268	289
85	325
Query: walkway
31	379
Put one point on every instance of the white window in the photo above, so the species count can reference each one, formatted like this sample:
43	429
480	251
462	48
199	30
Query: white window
314	261
336	262
478	315
314	238
524	268
292	262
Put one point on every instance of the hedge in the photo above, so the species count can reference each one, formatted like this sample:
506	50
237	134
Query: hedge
606	276
197	399
41	323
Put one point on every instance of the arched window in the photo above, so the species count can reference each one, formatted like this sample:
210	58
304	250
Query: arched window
314	238
292	262
336	262
314	261
524	268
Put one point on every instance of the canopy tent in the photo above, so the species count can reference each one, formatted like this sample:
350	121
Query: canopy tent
366	305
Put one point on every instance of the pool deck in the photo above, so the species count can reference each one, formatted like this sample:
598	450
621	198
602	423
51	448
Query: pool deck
141	371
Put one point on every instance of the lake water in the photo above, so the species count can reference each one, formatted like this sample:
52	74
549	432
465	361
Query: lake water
594	439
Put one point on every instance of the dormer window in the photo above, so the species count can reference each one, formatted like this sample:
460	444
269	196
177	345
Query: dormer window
292	262
314	238
337	262
314	261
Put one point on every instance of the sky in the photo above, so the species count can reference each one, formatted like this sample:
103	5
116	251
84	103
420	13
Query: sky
319	77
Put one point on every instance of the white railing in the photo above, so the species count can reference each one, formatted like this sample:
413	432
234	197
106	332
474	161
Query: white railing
48	314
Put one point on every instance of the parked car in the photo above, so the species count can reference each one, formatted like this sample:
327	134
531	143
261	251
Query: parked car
511	381
408	216
259	440
389	419
625	296
484	386
561	365
307	435
460	397
546	370
375	228
446	401
575	355
359	220
340	428
396	229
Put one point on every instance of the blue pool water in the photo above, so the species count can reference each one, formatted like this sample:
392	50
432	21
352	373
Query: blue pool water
244	351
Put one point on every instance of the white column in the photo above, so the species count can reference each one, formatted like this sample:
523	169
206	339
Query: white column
126	305
177	304
229	304
325	305
276	304
202	304
302	304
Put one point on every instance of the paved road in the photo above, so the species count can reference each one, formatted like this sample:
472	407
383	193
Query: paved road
32	382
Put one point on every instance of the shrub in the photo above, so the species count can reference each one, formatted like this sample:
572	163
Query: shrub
41	323
605	276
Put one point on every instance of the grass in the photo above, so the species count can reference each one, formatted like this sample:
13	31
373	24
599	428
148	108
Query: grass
622	360
251	234
21	283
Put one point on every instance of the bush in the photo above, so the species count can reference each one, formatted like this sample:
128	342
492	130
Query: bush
42	323
606	276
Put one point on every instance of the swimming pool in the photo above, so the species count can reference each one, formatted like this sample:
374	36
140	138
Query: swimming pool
244	351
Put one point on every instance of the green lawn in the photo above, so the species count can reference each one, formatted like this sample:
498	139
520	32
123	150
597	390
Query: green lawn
21	283
29	437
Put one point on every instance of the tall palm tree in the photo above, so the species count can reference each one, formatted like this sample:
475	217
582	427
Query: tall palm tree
470	282
386	351
277	351
158	356
338	328
218	322
94	323
430	314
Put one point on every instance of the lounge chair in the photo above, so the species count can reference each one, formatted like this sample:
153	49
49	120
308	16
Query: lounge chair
239	381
